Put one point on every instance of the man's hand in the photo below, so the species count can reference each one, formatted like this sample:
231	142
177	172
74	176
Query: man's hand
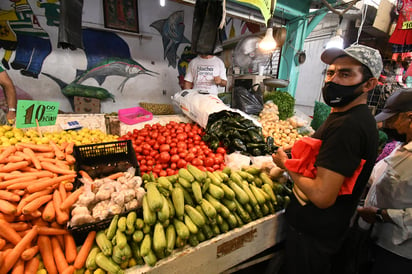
279	158
368	214
218	80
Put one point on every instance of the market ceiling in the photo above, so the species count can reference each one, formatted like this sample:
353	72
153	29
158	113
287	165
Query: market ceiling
284	9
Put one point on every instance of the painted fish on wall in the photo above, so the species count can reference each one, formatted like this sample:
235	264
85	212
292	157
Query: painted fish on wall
127	68
172	31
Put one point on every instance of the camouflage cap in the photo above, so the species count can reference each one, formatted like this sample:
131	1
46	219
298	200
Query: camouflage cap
368	56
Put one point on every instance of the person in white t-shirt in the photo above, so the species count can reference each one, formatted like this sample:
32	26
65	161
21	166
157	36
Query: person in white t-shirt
206	72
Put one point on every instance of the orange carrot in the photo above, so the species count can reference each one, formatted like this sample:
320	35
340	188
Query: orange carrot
46	252
7	232
6	195
6	217
63	146
50	182
7	207
14	159
35	214
115	176
34	147
69	148
85	176
2	243
21	154
36	204
16	252
20	226
84	250
49	212
59	153
69	270
54	168
40	222
59	258
45	155
68	186
72	198
2	255
30	252
70	249
6	152
18	174
14	166
61	216
27	199
29	152
45	230
7	183
63	191
32	265
18	267
70	159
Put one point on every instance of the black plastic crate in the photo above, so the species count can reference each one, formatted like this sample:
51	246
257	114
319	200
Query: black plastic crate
101	153
80	232
106	153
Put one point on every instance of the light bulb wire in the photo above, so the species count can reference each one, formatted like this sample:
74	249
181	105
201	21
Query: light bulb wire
364	11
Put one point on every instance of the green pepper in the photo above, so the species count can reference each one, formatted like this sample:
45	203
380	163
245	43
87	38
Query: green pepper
255	137
238	145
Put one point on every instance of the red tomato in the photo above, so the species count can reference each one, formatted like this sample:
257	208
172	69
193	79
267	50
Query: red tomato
210	169
146	152
143	161
164	147
151	142
181	145
209	162
197	162
161	139
190	156
181	136
174	158
173	150
181	163
219	158
216	167
182	155
150	162
164	157
162	173
156	146
221	150
143	168
173	166
170	171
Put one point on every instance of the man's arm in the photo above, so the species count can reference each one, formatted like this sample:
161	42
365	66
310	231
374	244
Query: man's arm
322	191
9	93
187	85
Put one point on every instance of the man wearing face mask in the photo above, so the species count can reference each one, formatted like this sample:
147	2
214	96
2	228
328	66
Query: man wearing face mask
389	201
319	213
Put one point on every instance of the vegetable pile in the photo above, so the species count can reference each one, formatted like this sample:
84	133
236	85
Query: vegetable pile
36	192
185	209
236	133
163	149
284	101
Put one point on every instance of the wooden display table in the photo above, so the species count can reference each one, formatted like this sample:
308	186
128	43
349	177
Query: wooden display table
223	251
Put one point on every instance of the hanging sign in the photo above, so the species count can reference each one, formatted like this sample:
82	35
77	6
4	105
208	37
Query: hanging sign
36	113
407	25
263	5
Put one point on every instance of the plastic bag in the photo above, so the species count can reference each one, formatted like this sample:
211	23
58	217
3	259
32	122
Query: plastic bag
206	36
236	160
199	105
249	101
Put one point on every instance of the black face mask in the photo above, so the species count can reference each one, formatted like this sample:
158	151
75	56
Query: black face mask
336	95
394	135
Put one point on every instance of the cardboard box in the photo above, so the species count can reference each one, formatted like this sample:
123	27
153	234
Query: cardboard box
86	105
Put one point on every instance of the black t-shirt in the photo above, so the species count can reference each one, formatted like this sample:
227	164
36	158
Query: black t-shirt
347	137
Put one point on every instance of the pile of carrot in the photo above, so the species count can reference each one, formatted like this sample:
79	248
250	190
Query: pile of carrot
36	193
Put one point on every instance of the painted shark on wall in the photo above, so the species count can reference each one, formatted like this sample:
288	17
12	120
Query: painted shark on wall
172	31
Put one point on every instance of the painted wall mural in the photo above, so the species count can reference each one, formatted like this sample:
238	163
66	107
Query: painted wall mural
31	41
172	31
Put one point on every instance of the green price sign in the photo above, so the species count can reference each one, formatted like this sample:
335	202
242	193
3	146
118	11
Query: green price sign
29	113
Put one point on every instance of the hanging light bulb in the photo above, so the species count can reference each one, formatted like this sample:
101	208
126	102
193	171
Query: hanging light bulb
268	43
162	3
336	41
